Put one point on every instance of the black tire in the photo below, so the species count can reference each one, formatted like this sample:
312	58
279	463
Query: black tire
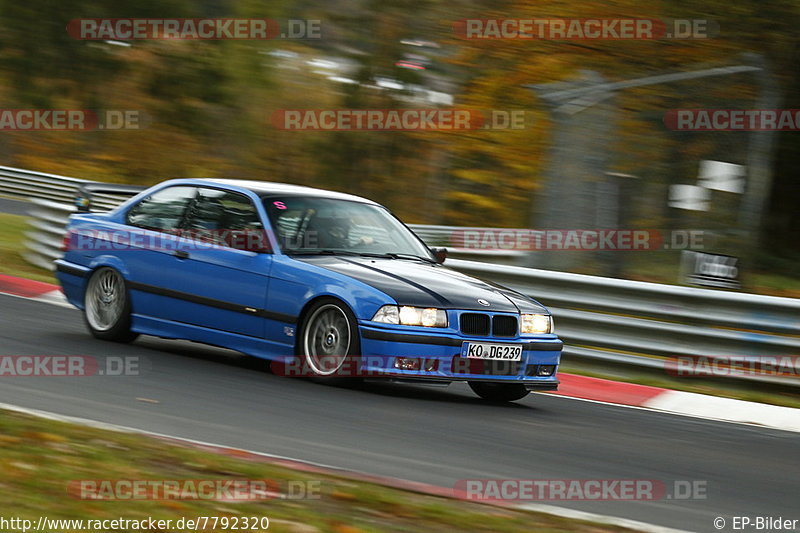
322	350
107	306
499	392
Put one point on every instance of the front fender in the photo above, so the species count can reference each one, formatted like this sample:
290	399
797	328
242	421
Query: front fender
295	283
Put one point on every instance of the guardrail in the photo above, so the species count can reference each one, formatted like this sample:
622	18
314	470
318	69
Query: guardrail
27	184
649	324
30	185
53	199
600	319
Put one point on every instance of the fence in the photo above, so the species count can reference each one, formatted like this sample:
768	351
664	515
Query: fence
649	324
53	199
600	319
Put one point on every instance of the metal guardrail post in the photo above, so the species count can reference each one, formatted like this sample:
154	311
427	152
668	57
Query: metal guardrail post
43	241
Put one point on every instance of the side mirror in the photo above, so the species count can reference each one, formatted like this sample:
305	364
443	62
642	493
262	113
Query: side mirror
440	254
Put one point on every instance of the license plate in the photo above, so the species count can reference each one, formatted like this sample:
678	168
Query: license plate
494	352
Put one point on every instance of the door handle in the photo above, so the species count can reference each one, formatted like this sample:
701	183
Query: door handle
181	254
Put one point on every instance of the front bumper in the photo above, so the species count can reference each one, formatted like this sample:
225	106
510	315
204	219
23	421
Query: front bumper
440	357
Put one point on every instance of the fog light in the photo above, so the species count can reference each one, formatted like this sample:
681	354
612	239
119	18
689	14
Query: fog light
431	365
546	370
407	363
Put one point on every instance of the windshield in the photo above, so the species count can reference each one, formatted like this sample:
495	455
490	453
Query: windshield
312	225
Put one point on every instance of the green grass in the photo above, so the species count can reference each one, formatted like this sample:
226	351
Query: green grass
12	244
774	284
40	457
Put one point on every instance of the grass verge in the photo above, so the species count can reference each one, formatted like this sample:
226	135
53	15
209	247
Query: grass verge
41	457
12	228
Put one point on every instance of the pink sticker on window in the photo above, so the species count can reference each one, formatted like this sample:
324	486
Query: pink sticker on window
279	205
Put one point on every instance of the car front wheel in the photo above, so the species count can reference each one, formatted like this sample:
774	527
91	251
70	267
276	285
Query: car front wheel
107	308
499	392
329	341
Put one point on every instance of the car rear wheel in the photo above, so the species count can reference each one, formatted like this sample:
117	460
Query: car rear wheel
499	392
107	308
329	341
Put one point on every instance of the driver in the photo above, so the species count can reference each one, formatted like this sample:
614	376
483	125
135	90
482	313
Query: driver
334	232
329	232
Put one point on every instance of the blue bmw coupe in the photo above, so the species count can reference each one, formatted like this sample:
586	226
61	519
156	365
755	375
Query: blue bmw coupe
323	284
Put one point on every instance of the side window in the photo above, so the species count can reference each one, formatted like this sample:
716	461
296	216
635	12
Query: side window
163	210
225	218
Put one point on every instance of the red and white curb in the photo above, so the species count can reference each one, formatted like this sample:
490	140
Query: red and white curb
572	386
679	402
32	290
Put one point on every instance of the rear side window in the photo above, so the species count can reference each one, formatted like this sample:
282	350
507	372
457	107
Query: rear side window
163	210
225	218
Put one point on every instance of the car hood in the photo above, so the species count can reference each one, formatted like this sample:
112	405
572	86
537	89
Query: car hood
427	285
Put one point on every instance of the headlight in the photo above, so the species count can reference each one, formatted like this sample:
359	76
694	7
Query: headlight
388	313
412	316
537	324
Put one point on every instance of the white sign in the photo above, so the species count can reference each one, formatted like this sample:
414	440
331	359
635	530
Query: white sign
721	176
710	270
689	197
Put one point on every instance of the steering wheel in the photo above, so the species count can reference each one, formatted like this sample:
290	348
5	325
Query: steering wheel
337	232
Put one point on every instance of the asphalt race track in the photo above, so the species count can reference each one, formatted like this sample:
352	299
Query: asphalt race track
432	435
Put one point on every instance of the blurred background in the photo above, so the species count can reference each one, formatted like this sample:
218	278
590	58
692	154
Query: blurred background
609	163
595	154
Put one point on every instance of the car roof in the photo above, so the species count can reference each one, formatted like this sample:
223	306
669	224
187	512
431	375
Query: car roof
268	188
